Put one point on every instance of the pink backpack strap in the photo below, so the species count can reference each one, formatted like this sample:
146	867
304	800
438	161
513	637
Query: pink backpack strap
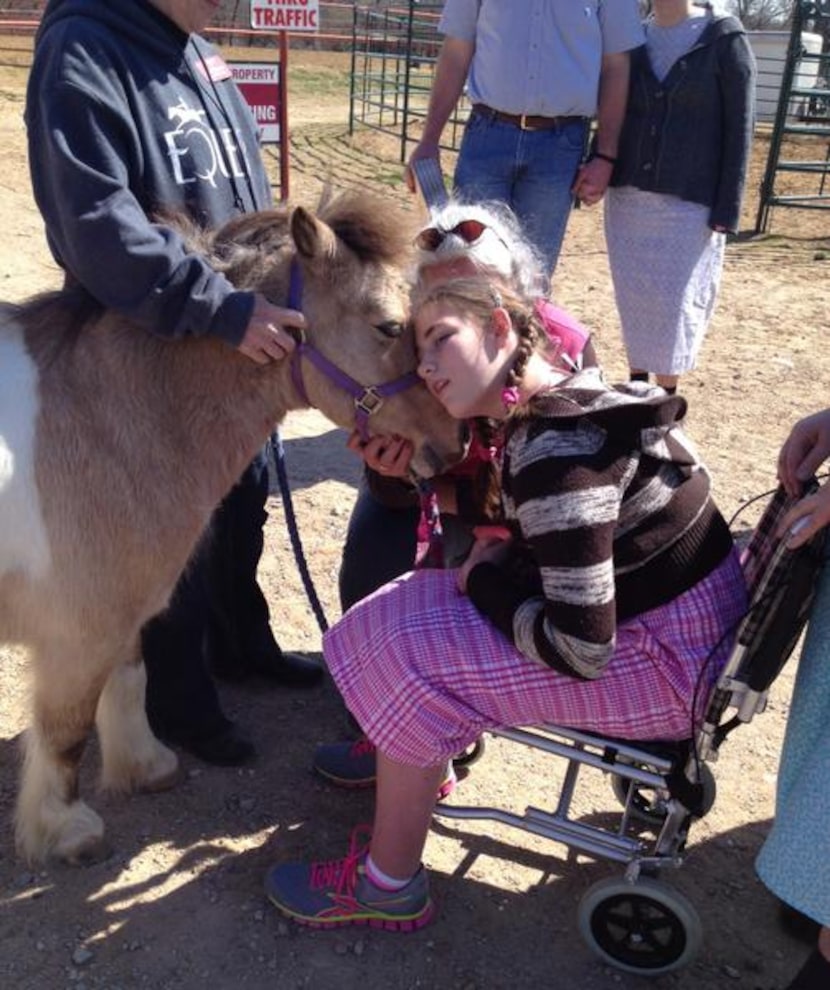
565	329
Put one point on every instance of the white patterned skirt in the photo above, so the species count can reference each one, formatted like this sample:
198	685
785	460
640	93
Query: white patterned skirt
666	265
424	673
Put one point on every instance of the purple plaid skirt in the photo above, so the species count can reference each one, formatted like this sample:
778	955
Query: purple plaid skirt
425	674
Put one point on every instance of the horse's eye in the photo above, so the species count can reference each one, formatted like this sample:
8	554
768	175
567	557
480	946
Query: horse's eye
390	328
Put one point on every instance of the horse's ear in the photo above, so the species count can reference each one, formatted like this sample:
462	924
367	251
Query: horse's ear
315	240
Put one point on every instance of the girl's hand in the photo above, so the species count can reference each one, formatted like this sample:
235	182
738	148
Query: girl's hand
389	456
489	547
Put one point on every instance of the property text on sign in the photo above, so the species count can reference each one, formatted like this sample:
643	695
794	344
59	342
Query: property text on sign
285	15
259	83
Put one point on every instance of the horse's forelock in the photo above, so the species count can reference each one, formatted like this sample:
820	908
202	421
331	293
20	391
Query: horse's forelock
373	228
244	249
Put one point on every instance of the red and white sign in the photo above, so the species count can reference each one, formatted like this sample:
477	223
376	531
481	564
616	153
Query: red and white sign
286	15
260	84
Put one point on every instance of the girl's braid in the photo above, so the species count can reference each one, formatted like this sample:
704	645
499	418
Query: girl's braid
527	329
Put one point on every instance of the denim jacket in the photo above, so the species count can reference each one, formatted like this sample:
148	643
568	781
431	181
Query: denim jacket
691	134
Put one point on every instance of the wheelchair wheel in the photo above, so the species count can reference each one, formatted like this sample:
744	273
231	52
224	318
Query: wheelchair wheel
648	804
645	927
472	754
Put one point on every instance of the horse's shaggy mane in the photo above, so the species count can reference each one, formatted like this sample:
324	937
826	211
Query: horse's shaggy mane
242	249
372	227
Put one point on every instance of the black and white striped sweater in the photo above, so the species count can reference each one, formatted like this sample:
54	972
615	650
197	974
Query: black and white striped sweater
612	514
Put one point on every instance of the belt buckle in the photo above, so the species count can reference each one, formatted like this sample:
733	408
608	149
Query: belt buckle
523	123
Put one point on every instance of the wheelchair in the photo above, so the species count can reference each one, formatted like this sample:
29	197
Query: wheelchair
639	923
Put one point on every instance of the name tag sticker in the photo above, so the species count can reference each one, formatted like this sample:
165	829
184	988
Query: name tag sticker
214	68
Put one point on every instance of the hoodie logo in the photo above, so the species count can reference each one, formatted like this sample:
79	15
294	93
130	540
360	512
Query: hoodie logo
197	152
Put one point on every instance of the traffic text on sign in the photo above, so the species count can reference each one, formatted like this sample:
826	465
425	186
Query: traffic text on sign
285	15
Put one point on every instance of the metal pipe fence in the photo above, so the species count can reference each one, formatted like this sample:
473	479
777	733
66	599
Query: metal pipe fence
801	123
394	53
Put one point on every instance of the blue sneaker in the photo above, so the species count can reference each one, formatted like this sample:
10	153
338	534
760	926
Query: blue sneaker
333	893
353	764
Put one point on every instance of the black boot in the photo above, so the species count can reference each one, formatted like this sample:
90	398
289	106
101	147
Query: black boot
813	975
182	702
256	653
797	925
239	641
224	748
264	657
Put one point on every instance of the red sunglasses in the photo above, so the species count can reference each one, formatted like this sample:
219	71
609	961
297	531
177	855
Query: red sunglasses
431	238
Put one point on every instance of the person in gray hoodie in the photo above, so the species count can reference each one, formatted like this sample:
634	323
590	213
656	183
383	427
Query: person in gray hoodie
130	113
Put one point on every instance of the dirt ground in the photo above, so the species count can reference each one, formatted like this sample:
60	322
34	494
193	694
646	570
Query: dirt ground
179	904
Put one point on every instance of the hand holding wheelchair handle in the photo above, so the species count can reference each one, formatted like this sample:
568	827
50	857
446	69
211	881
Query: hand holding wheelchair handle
806	518
803	452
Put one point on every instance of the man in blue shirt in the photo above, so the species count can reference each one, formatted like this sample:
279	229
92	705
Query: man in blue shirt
537	71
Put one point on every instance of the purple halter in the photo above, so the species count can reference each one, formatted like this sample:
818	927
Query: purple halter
367	398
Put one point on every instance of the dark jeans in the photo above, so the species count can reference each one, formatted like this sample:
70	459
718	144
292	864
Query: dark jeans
381	543
217	605
532	171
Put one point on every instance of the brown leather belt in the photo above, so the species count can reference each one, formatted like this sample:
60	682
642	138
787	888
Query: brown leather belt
527	122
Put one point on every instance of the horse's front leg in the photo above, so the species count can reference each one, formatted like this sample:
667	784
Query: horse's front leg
51	821
132	758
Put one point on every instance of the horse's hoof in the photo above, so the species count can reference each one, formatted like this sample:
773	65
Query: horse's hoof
157	769
163	772
87	854
166	782
75	836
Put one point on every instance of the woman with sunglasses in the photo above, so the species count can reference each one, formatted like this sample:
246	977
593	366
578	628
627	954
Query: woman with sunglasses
435	528
607	607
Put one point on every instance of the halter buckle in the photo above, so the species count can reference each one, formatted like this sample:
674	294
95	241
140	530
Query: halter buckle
370	401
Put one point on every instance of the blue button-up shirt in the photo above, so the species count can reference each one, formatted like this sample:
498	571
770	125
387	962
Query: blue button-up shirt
541	56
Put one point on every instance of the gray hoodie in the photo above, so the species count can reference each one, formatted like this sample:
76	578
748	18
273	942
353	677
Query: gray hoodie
127	115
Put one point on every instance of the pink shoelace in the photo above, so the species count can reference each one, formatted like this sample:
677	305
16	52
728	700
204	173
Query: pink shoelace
341	874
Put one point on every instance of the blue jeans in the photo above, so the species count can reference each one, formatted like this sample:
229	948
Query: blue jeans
532	171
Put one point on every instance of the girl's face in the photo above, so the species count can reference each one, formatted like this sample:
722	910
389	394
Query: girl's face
463	363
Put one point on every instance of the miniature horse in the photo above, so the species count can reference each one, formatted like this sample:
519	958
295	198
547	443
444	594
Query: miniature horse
115	447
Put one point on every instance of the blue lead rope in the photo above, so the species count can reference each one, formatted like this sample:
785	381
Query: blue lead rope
295	301
293	531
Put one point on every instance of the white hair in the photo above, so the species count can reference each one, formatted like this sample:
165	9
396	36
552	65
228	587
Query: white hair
502	248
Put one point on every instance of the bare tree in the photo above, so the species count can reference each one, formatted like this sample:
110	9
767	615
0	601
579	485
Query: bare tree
754	14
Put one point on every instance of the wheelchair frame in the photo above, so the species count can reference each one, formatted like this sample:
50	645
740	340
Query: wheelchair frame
637	922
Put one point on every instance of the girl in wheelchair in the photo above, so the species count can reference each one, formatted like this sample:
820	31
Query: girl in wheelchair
606	604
